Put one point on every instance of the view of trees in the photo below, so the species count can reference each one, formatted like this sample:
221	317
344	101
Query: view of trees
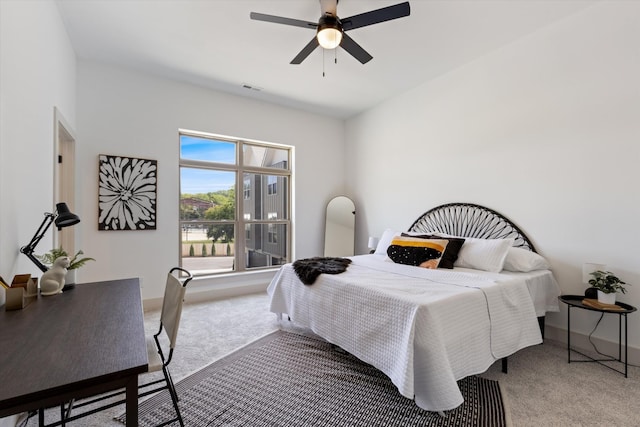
211	206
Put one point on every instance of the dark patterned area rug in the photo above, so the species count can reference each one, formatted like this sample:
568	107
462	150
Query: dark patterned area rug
286	379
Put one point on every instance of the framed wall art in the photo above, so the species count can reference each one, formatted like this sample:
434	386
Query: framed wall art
127	191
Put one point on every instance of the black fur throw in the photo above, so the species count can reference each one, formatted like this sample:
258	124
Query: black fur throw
308	269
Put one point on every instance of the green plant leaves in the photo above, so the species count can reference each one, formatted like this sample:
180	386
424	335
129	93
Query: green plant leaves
75	262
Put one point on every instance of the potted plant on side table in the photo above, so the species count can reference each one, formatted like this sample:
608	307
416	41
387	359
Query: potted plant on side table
75	262
608	285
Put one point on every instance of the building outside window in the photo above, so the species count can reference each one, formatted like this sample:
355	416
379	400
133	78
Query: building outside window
272	233
272	185
246	189
212	213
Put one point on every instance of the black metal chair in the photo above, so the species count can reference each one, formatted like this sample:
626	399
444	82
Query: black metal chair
159	358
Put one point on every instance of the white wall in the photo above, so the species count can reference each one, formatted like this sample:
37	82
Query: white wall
123	112
37	73
545	130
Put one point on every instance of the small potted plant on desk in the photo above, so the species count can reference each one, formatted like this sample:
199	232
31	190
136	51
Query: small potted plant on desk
76	262
607	284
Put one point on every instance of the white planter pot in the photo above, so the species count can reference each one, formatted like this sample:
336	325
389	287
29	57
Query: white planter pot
70	278
609	298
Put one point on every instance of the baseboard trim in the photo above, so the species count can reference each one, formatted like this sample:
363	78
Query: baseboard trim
221	292
581	343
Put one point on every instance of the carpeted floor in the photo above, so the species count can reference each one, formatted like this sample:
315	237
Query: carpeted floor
287	379
541	388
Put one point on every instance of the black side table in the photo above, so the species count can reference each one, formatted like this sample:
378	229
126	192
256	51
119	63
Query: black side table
576	301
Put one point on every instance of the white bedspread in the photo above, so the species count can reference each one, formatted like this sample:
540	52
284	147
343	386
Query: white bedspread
425	329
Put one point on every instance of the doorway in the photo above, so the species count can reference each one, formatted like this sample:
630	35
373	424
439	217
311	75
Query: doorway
64	177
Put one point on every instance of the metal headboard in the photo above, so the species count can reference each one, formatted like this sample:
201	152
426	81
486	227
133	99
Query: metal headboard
469	220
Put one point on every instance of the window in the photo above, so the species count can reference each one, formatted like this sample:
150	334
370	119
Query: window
272	233
272	185
212	213
246	189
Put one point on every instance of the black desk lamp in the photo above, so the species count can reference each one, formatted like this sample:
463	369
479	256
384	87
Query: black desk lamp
63	218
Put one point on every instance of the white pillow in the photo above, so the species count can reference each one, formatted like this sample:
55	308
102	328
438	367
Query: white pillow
522	260
483	254
385	241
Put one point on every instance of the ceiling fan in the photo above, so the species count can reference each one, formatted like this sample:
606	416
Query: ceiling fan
331	30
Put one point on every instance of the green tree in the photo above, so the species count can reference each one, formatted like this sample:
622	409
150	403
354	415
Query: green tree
192	251
226	211
188	213
204	250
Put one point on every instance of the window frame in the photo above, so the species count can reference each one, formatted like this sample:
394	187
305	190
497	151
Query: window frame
240	222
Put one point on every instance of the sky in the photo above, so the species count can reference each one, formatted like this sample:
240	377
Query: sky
194	181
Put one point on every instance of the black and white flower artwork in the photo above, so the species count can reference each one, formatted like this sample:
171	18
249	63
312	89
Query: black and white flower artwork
127	193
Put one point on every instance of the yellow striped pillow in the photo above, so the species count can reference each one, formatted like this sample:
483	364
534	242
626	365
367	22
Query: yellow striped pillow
417	251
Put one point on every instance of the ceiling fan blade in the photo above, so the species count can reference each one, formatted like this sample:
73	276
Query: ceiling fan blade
283	20
376	16
306	51
354	49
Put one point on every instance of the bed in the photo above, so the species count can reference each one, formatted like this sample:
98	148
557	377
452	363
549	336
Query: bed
427	328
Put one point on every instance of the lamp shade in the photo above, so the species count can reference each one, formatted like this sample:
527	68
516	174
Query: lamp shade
329	32
590	267
65	218
373	242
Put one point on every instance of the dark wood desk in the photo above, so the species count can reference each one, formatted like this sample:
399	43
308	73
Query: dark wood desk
76	344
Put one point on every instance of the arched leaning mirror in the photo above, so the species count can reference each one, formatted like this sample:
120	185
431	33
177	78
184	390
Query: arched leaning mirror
339	232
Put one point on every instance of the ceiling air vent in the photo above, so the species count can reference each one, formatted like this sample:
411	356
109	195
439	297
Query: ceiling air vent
250	87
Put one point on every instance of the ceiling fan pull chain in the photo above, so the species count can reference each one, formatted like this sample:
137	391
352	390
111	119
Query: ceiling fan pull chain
323	62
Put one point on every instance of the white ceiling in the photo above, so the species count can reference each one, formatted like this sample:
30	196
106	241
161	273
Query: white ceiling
213	43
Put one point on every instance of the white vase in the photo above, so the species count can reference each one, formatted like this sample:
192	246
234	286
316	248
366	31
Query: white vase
609	298
70	278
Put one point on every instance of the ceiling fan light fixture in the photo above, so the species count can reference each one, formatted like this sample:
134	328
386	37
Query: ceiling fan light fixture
329	32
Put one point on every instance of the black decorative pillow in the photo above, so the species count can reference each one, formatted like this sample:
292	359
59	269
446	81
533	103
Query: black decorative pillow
450	253
416	251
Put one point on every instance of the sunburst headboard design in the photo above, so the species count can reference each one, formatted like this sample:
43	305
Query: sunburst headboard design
470	220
